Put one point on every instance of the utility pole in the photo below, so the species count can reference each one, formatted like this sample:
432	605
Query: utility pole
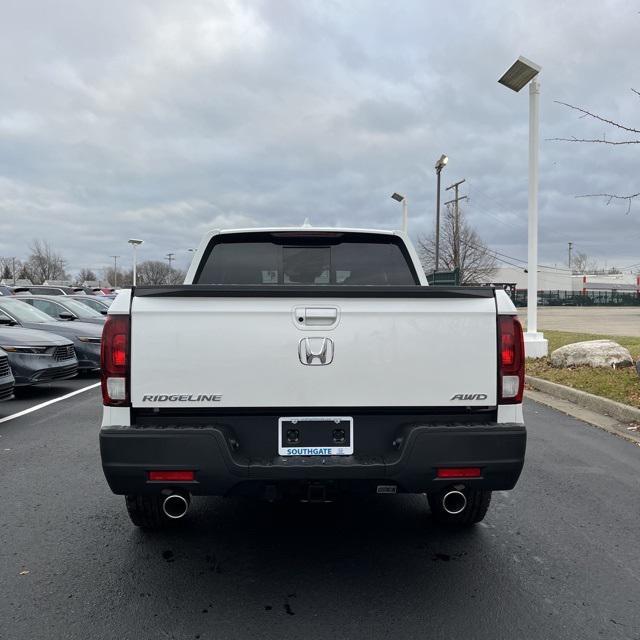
570	247
170	257
456	222
115	271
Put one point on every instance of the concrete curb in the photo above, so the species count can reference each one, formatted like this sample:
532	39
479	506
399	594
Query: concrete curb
617	410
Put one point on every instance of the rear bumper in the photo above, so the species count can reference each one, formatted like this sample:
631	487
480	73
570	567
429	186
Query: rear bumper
128	453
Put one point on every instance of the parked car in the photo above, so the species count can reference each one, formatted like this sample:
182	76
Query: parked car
7	381
100	304
45	290
63	308
311	363
37	356
85	336
5	290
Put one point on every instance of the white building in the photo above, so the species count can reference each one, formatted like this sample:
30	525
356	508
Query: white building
549	279
606	282
558	279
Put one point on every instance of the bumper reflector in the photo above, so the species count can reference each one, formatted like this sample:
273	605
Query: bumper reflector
459	472
171	476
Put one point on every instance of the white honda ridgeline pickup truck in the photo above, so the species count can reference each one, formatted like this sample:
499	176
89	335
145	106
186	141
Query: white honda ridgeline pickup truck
307	363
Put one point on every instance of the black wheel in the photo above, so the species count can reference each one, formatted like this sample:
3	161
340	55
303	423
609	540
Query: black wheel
146	512
472	511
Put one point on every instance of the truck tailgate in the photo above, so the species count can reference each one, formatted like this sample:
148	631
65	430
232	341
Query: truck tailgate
245	351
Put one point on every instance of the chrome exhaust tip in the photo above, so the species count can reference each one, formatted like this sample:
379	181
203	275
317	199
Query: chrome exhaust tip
454	502
175	506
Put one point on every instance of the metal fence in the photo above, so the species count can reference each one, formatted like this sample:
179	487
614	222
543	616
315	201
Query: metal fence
580	299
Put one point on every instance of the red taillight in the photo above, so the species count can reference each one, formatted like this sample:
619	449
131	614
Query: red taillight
119	350
510	360
507	350
459	472
114	361
171	476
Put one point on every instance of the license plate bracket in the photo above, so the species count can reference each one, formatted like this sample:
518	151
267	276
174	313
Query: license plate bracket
315	436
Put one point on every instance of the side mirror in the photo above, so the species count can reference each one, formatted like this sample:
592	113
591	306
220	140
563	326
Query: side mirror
104	312
66	315
8	322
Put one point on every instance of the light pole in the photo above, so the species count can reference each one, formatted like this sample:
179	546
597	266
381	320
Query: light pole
170	257
405	212
135	244
440	165
115	271
570	248
521	72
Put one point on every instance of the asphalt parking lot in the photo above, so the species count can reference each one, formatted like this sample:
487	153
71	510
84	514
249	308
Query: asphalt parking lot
615	321
28	398
555	558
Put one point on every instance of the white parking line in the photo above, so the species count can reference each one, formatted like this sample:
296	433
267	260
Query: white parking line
42	405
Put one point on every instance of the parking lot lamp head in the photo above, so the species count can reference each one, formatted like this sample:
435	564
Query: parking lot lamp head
442	161
519	74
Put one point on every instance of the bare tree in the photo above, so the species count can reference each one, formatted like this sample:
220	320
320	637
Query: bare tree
124	279
158	272
460	247
633	138
44	263
7	266
581	263
86	275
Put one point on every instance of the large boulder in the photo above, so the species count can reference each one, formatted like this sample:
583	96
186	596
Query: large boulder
592	353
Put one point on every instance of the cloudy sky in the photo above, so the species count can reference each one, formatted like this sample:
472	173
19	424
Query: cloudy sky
163	119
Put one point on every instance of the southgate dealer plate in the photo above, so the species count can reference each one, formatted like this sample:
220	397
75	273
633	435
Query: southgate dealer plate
315	436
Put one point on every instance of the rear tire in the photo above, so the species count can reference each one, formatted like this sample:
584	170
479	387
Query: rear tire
146	512
478	501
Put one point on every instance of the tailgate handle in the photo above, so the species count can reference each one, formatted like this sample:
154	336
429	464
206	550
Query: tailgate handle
320	317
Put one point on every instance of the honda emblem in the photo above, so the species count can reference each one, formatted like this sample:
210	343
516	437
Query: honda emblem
315	351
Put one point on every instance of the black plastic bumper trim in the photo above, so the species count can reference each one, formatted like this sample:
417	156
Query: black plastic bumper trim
129	452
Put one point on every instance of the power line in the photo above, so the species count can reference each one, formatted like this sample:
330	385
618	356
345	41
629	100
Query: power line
525	262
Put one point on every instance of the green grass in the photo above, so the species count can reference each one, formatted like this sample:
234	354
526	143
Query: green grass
622	385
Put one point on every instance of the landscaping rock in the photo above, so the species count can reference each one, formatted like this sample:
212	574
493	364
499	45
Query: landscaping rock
592	353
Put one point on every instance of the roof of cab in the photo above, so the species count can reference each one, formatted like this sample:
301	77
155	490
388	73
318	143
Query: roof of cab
304	228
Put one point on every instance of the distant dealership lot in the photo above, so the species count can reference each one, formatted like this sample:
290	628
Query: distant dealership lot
614	321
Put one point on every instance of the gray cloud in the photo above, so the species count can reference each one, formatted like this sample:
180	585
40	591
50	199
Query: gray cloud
162	120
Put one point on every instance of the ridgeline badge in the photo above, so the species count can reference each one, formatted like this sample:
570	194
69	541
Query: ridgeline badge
184	397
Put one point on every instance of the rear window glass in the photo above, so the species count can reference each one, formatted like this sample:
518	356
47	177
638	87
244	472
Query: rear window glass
342	259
